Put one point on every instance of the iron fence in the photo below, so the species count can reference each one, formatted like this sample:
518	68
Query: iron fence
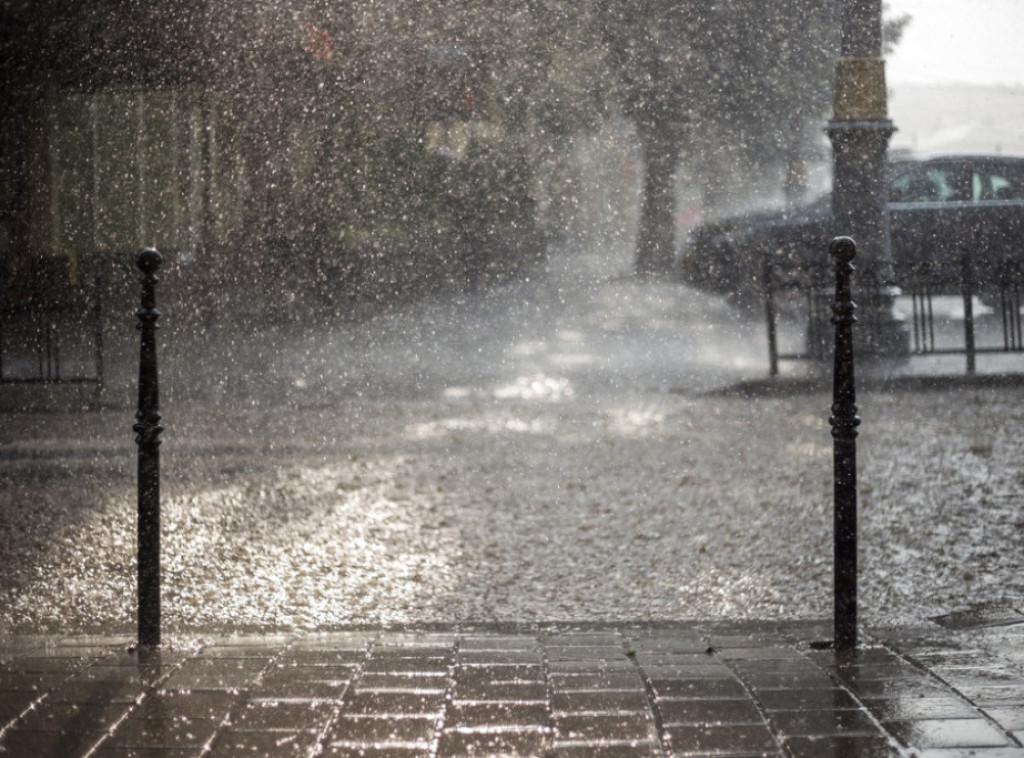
51	326
967	313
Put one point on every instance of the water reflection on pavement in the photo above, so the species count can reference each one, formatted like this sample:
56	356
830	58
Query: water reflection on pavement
537	450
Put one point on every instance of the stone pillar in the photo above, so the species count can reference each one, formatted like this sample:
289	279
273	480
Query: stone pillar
859	130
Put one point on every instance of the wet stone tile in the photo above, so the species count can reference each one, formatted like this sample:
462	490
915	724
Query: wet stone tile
774	666
634	727
994	695
467	716
393	704
216	674
723	740
864	658
416	731
374	751
82	648
394	665
607	750
1009	717
163	733
840	747
163	656
670	645
499	673
147	752
805	680
282	716
16	681
188	704
313	657
788	700
13	704
585	653
765	656
611	701
887	689
823	723
877	675
25	742
621	679
97	692
331	690
583	667
421	683
231	744
523	743
956	657
333	642
51	716
717	689
266	642
998	675
499	642
684	660
499	657
277	674
705	672
503	691
946	707
709	712
415	645
584	639
984	752
228	652
45	664
142	677
959	733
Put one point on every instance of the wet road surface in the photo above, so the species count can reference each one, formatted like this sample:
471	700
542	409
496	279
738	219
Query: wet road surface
542	450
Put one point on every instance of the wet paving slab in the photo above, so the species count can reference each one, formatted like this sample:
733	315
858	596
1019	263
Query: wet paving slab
939	690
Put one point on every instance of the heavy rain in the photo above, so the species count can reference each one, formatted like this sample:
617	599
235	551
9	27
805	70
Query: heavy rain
434	347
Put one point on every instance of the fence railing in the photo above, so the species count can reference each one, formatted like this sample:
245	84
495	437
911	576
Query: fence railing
52	331
967	313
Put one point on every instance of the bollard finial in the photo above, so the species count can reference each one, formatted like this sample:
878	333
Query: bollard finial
149	261
843	249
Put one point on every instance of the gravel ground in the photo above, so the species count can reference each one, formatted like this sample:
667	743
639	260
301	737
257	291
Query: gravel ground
548	450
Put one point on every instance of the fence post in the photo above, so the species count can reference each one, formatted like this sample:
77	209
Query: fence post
768	274
148	431
968	295
844	422
98	335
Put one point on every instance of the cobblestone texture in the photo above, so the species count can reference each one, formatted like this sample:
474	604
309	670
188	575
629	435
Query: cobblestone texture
949	689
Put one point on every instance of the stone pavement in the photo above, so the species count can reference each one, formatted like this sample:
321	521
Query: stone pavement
947	689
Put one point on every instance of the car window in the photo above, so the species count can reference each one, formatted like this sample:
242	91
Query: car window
927	185
997	185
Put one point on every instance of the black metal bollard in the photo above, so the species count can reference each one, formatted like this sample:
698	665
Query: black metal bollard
844	422
147	437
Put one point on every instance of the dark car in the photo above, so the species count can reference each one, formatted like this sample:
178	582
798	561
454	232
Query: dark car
939	209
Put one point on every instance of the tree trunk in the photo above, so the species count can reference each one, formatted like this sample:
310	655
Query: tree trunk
656	241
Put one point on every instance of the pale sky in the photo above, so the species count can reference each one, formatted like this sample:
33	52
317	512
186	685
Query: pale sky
962	41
